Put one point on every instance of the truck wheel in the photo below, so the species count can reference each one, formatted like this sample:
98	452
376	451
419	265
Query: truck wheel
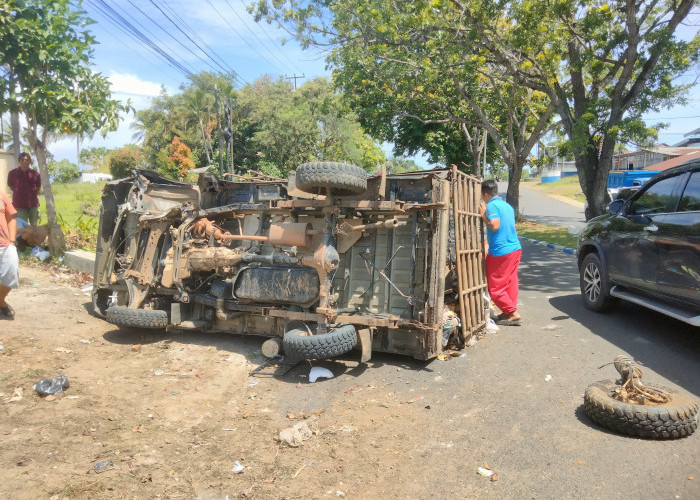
300	345
595	288
342	177
154	319
675	419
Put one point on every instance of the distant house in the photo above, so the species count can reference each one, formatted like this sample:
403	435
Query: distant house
93	177
660	157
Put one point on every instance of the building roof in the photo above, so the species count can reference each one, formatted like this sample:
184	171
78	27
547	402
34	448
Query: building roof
684	155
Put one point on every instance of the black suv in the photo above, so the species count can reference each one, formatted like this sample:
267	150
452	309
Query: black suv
646	249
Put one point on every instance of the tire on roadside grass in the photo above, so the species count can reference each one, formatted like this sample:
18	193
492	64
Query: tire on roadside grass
152	319
343	178
595	288
298	344
677	418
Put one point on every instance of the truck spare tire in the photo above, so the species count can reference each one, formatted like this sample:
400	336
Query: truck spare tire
299	344
675	419
344	178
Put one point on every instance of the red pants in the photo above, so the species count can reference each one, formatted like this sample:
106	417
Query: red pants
502	278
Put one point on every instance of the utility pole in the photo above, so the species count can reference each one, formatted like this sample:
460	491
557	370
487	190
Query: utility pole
295	77
219	134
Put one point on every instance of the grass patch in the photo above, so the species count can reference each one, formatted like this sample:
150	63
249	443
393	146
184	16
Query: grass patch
550	234
568	186
78	211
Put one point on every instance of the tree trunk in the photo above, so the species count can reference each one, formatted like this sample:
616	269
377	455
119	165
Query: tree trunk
515	170
16	129
593	173
57	241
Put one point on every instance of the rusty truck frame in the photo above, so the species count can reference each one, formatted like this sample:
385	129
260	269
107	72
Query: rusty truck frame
328	260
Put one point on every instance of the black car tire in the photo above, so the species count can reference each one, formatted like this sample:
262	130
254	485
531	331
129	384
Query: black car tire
153	319
344	178
298	344
677	418
595	288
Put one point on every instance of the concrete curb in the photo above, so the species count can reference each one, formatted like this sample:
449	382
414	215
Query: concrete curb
566	250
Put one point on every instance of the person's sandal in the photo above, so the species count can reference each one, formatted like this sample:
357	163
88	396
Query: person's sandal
8	312
508	322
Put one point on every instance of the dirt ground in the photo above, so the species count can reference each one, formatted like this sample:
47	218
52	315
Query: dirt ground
169	415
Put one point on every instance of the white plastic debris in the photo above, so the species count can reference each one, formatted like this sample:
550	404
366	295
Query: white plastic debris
318	372
237	467
295	435
485	472
548	378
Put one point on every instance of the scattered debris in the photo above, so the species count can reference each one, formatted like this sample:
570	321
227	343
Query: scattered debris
136	347
16	395
295	435
303	415
319	372
103	466
548	378
84	341
353	390
484	471
253	382
52	385
237	467
417	398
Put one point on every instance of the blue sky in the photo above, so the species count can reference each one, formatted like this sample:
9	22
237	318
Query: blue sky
220	34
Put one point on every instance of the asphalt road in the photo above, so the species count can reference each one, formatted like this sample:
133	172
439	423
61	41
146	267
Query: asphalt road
546	209
500	406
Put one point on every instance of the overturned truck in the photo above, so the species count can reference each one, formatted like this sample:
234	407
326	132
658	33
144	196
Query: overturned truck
324	262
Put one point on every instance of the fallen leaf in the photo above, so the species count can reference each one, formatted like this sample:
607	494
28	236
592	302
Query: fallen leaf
494	477
246	415
136	347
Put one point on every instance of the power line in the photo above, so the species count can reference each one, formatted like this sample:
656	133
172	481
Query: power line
236	32
258	38
168	33
229	70
120	22
194	34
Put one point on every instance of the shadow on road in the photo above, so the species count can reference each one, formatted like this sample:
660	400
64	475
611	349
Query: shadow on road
667	346
546	271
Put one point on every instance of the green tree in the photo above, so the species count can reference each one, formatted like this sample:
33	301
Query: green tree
47	50
602	64
124	161
410	83
96	158
63	171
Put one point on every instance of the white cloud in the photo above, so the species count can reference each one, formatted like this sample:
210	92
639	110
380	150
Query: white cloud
133	85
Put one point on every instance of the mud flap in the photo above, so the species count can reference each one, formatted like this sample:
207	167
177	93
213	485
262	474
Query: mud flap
364	336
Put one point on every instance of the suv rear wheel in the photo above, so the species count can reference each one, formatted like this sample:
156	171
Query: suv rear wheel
595	288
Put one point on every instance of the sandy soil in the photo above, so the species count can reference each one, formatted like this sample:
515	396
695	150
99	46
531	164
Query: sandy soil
172	413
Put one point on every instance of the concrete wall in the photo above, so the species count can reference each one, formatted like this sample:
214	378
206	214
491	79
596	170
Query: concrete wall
7	163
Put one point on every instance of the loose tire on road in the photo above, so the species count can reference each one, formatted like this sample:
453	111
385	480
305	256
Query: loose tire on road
595	288
341	177
299	344
675	419
153	319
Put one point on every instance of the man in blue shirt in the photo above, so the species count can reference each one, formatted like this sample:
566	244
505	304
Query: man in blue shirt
504	252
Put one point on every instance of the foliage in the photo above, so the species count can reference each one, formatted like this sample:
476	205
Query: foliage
268	124
179	160
63	171
77	204
400	165
124	161
404	69
602	64
46	52
80	233
96	158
